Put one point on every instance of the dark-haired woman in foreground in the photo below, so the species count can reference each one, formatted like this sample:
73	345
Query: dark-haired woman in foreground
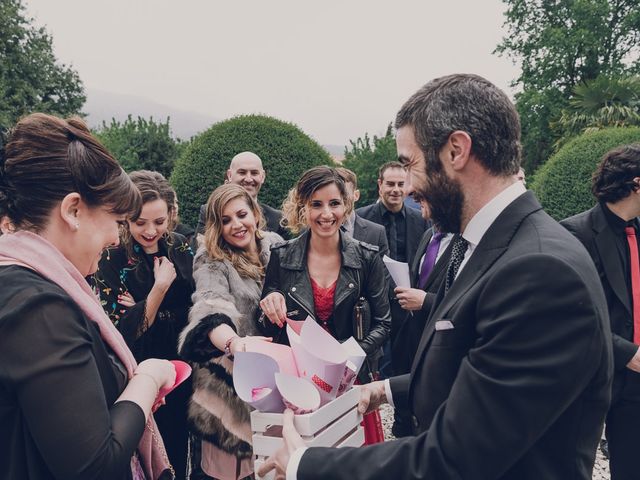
145	285
73	401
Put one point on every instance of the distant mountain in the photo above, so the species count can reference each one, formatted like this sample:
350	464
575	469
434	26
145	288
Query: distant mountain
103	106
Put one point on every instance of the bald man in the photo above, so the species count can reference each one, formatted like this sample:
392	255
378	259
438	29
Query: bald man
246	170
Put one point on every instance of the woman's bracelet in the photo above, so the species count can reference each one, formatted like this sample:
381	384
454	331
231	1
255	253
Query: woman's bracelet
227	346
151	377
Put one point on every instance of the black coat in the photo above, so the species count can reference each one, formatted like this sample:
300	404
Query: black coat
592	229
59	383
512	377
362	274
405	343
371	233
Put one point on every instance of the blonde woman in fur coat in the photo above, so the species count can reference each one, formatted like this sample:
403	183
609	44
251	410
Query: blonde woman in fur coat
228	271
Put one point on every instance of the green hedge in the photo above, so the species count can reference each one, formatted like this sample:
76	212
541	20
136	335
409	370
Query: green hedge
285	150
563	184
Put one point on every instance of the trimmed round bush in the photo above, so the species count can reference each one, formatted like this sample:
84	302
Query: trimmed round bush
563	184
285	150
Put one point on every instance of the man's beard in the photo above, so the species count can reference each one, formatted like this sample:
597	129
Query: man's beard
445	198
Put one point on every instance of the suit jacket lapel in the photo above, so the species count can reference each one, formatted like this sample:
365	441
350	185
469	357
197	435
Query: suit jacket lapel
493	244
411	233
606	246
360	230
415	264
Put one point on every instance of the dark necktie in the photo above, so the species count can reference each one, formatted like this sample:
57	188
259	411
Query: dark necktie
457	255
393	237
635	281
431	253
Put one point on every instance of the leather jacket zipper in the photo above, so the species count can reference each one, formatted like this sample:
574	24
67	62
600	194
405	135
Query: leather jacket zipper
299	302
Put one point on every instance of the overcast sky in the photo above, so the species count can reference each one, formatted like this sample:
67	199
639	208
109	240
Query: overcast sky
336	68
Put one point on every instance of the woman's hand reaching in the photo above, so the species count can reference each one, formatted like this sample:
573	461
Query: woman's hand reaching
274	307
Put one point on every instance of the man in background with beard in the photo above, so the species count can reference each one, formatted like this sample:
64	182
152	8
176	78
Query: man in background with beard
512	375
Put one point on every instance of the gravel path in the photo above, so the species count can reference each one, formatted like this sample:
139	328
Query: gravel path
600	469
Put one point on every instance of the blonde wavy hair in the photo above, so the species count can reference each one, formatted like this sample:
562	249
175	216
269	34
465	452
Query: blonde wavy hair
294	207
216	246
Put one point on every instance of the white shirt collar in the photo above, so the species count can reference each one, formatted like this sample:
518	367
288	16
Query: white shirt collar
482	220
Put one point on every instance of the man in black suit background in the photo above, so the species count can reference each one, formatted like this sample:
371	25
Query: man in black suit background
602	230
246	170
512	376
404	226
356	226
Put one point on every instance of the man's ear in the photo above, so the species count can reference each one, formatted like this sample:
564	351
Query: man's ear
356	195
458	149
227	176
70	209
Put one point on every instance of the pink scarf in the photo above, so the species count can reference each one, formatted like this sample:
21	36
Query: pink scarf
35	252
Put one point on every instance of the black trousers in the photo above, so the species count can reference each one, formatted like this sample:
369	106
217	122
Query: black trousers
622	432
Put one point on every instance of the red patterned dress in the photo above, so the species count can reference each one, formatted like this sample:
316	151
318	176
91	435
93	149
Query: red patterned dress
323	301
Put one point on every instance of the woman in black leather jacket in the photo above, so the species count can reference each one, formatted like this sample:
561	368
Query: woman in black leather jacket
324	273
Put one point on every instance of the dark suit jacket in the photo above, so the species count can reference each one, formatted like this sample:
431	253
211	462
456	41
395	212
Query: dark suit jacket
408	337
519	387
592	229
416	225
371	233
271	216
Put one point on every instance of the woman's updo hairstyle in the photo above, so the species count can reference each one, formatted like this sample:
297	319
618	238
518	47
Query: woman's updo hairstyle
294	207
46	158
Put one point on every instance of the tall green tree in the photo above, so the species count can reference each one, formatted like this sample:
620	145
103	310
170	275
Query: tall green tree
141	144
365	157
558	44
31	79
285	151
600	103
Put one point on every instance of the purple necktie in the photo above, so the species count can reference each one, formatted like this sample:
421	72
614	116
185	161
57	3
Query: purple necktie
430	258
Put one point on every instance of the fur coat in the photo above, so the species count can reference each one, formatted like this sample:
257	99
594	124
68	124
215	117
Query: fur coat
221	296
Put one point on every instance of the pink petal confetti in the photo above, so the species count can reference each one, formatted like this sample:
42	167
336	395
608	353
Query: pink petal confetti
259	393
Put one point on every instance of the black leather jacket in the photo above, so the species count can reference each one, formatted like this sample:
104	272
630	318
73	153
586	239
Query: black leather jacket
362	274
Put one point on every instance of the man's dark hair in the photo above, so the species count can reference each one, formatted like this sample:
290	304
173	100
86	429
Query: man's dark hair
348	176
471	104
613	179
386	166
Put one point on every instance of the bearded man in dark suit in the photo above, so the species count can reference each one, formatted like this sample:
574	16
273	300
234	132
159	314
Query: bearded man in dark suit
512	376
606	230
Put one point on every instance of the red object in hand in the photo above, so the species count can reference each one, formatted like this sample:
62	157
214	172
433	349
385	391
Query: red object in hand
183	370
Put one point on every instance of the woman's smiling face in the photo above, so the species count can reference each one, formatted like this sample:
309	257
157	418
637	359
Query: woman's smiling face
152	223
325	211
239	224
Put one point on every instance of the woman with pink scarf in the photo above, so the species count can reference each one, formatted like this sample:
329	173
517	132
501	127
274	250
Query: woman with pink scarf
73	402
